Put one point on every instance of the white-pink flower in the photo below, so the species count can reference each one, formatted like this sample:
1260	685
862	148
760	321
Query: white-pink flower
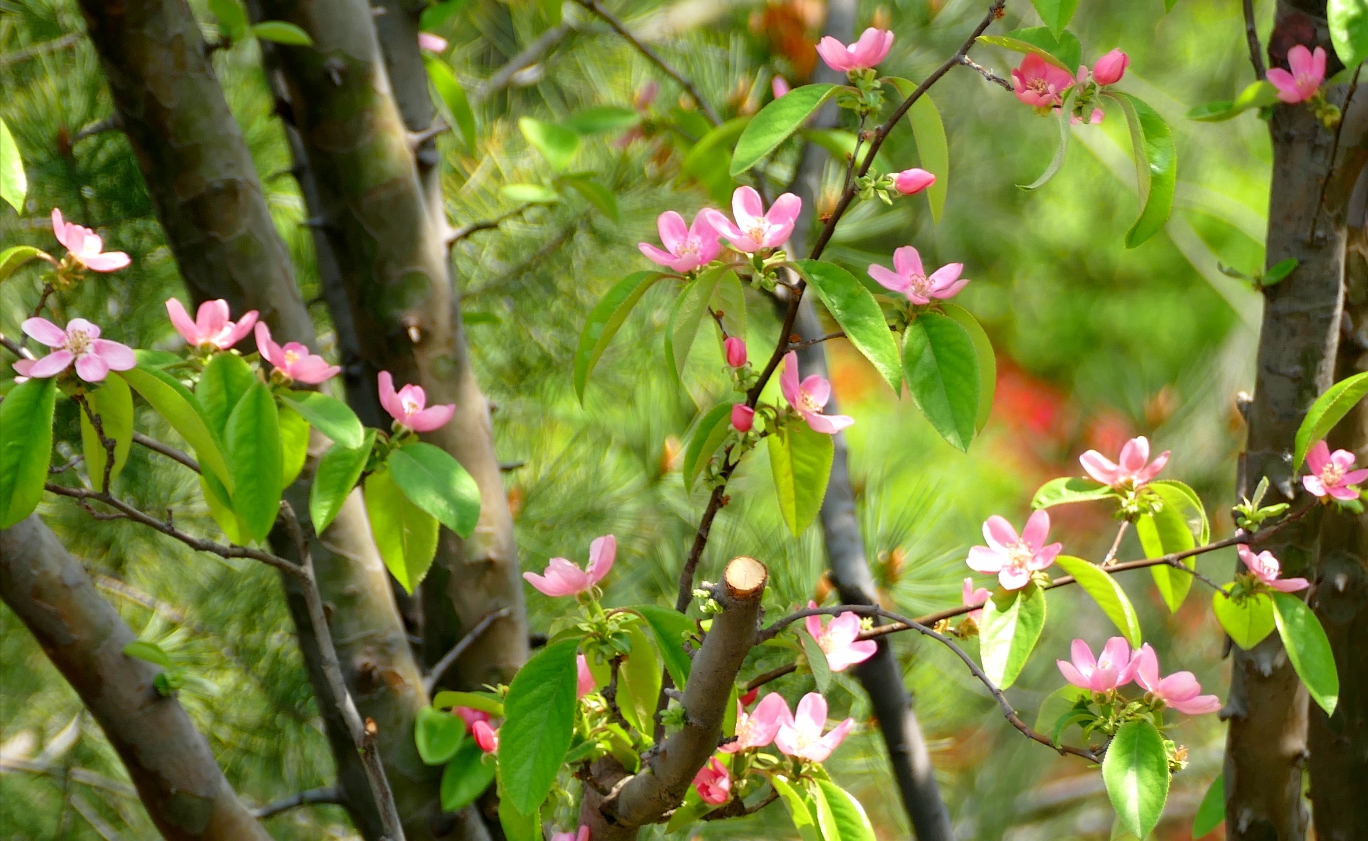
409	406
80	342
970	596
1267	569
86	247
584	679
1332	473
1113	669
1014	558
686	248
1179	690
809	397
758	728
1308	71
1133	471
755	228
431	43
839	640
211	327
582	835
909	278
865	53
562	578
802	735
713	783
294	361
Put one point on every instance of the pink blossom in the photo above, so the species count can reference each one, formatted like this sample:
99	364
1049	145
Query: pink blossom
685	248
1179	690
1332	473
485	736
470	716
1113	669
1110	68
431	43
1039	83
1267	569
802	735
644	97
562	578
864	54
839	640
779	86
809	397
970	596
1014	558
910	280
1308	71
736	351
584	679
407	406
23	367
755	229
912	181
713	782
583	835
211	327
80	342
294	361
86	246
1132	472
742	417
757	729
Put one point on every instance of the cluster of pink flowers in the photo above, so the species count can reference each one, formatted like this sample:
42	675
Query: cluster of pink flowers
839	640
1134	471
909	279
1043	85
563	578
1012	558
1304	80
1332	474
1118	666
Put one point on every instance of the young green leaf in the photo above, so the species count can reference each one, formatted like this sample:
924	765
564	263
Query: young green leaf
987	360
1136	774
775	122
1064	52
1107	593
1187	503
438	735
294	445
670	627
817	662
604	321
858	314
483	701
709	160
220	504
708	435
282	32
232	18
847	815
1165	532
405	534
1057	704
941	366
465	777
149	652
1328	410
12	258
226	377
556	143
933	149
799	808
1278	272
113	403
1055	13
596	194
438	484
1156	166
182	410
13	181
1248	620
540	722
1256	95
338	472
1308	648
451	98
253	440
328	415
729	298
800	461
639	676
1348	29
1067	489
1012	623
1211	812
601	118
690	308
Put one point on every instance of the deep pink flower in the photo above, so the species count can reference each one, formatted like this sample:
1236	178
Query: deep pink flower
970	596
1132	472
431	43
838	640
865	53
736	351
1110	68
584	679
757	729
583	835
1113	669
294	361
912	181
80	342
909	279
755	229
562	578
742	417
470	716
211	327
713	782
485	736
686	248
1332	473
1039	83
1267	569
1013	558
802	735
407	406
1179	690
1308	71
809	397
86	246
779	86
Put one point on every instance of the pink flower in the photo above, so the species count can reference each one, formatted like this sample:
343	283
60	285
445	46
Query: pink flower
1308	71
713	782
583	835
838	640
779	85
485	736
211	327
562	578
809	397
644	97
1132	472
584	679
1267	569
736	351
86	246
802	735
865	53
742	417
757	729
79	342
1179	690
1110	68
294	361
470	716
754	228
970	596
685	248
909	279
1039	83
431	43
406	407
912	181
1331	474
24	367
1114	669
1014	558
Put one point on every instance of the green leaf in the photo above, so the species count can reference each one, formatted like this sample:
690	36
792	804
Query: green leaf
232	18
858	314
670	628
1012	623
775	122
282	32
1187	503
1067	489
1156	166
798	809
556	143
709	160
1248	619
178	406
1308	648
253	440
483	701
817	662
113	402
1166	531
294	445
596	194
987	360
602	118
465	777
847	815
1136	773
941	366
1349	29
1328	410
711	431
1056	705
640	678
437	14
1211	813
540	722
691	810
1065	52
405	534
933	149
800	461
11	259
221	509
1062	151
690	308
13	181
451	97
337	474
603	323
1278	272
529	194
226	377
1107	593
1256	95
817	801
517	826
328	415
438	484
149	652
1055	13
729	298
438	735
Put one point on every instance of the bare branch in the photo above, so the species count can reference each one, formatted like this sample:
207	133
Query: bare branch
486	225
1252	37
985	72
110	123
530	55
68	40
12	765
314	796
166	450
439	668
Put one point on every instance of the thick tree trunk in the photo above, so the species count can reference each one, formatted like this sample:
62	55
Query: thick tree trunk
169	760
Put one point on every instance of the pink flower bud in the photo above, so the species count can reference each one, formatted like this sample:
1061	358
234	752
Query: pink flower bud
431	43
713	783
779	85
1110	68
912	181
749	698
736	351
742	418
485	736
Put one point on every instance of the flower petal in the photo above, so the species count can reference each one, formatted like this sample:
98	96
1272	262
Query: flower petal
44	331
907	261
118	357
91	368
673	231
999	533
51	365
1037	529
602	553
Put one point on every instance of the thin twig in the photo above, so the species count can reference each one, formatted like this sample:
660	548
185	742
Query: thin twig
170	452
530	55
430	682
1334	150
1252	36
111	123
36	50
1116	544
839	334
985	72
487	224
13	764
324	795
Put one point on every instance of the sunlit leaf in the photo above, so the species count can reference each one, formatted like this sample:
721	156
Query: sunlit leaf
1156	164
438	735
405	535
452	98
1107	593
800	461
13	181
1308	648
605	319
25	448
338	472
708	435
15	257
556	143
1328	410
282	32
438	484
1248	619
1348	29
942	370
540	721
859	316
112	402
1136	773
252	437
1012	623
775	122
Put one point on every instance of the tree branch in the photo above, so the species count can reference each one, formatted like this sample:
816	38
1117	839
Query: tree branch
314	796
1252	37
530	55
435	676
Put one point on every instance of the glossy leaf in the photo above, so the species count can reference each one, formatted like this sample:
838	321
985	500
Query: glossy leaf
517	826
1308	648
1328	410
13	181
438	735
1156	165
252	437
220	504
800	461
1165	532
1187	503
540	722
465	777
1057	704
987	360
15	257
556	143
282	32
602	118
798	808
708	435
451	98
294	445
690	310
328	415
639	676
405	535
709	160
438	484
113	403
1055	13
1068	489
1107	593
1136	774
729	298
1012	623
670	628
596	194
775	122
1211	812
1248	620
847	815
605	320
858	314
25	448
1065	52
232	18
817	662
483	701
338	472
182	410
226	377
149	652
1348	29
941	366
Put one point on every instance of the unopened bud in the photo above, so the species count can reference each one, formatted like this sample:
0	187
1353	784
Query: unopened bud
736	351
